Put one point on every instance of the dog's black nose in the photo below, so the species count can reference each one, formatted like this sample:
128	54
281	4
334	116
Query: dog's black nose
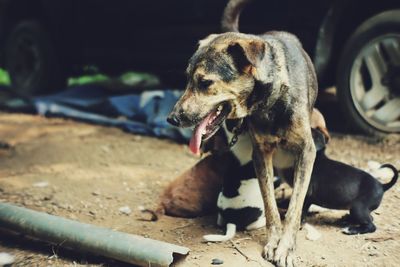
173	120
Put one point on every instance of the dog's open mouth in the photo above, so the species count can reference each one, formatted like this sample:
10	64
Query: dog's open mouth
208	127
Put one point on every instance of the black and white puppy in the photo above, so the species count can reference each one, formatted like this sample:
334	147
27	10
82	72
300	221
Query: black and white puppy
336	185
240	203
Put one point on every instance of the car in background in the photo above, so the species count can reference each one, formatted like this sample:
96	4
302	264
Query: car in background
355	45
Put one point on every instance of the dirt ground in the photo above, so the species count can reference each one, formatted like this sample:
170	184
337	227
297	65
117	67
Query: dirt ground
86	173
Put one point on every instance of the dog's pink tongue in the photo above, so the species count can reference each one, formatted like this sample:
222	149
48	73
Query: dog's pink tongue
195	141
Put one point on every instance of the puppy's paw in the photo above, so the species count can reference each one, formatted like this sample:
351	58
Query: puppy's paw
361	229
349	230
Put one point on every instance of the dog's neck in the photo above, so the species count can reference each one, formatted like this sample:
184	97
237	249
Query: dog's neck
273	119
271	79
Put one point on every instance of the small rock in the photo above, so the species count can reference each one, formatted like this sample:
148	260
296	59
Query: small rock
6	259
4	145
105	148
217	261
41	184
125	210
47	198
27	203
312	233
137	138
95	193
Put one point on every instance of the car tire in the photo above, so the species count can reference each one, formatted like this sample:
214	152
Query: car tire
31	60
368	83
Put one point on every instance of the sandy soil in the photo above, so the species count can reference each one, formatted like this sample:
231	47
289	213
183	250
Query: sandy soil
92	171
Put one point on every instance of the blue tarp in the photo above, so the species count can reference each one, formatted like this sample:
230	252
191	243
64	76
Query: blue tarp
141	113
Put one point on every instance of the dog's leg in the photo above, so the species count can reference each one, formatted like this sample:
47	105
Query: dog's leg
361	216
306	207
283	255
262	159
220	220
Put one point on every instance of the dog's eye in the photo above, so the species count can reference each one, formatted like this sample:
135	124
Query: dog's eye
204	84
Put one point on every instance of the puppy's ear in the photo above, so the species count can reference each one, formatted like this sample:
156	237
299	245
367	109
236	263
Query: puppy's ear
246	53
325	132
319	139
318	122
218	142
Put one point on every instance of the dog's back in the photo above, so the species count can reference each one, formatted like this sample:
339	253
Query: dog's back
299	66
338	185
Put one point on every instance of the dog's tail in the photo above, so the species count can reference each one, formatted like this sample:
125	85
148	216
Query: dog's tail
230	17
154	215
394	177
230	233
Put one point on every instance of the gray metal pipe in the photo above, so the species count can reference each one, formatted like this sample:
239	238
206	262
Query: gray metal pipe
85	237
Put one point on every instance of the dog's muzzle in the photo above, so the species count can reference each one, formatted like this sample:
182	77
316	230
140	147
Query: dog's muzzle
173	120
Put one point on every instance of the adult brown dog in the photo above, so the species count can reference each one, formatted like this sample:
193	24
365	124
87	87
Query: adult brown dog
268	81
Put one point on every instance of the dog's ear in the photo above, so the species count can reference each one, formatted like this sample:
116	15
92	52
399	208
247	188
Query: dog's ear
319	139
246	53
207	40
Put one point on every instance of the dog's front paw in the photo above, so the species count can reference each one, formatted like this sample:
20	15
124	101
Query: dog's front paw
280	250
272	244
284	253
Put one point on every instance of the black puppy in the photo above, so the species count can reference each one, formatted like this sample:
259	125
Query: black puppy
336	185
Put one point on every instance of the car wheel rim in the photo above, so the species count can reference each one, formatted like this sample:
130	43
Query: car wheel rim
375	83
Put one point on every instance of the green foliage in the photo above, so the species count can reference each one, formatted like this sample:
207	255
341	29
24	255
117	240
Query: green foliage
85	79
4	78
128	79
132	78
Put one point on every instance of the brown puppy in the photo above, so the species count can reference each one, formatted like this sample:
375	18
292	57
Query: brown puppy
194	192
270	82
